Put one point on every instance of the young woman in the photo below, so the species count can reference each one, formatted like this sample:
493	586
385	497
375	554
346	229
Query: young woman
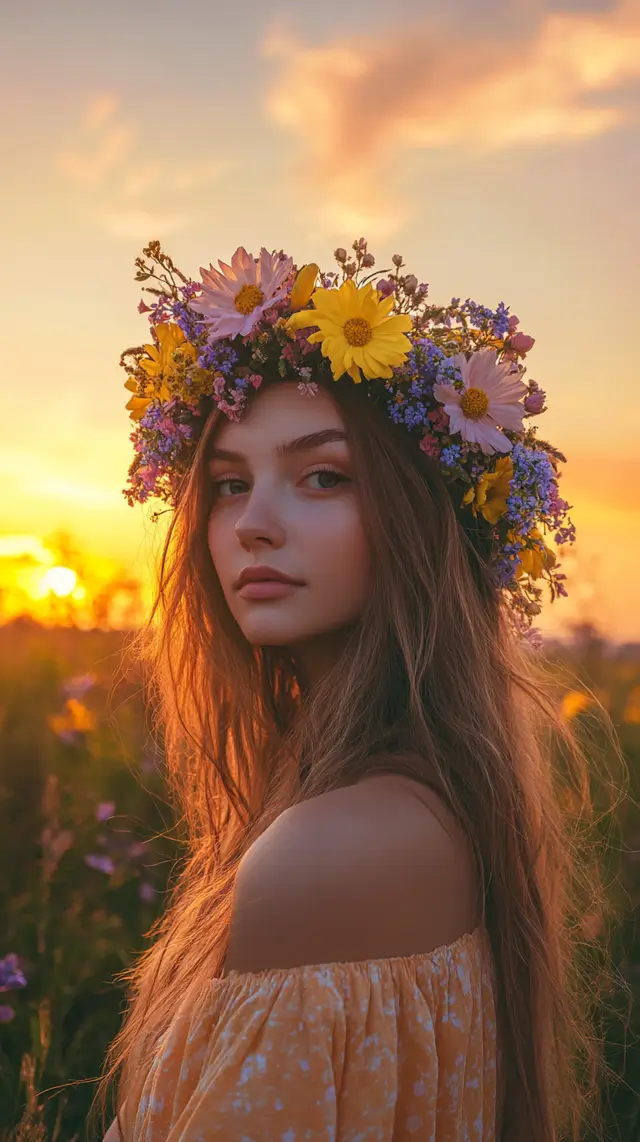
375	932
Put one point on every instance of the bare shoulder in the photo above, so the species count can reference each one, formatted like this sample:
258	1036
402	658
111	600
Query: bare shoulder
370	871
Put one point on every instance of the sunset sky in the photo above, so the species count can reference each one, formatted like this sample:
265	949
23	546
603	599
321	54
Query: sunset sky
495	145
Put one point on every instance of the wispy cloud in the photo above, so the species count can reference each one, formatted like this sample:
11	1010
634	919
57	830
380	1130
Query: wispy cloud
104	144
134	223
107	162
356	104
100	110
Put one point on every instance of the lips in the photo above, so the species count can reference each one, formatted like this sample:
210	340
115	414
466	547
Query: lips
259	574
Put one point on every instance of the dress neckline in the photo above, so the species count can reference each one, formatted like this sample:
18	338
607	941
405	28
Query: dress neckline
463	943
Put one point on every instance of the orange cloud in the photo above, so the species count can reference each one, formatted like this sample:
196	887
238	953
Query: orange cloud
357	103
108	162
105	145
99	110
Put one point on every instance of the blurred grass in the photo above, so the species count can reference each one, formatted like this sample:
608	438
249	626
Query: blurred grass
86	849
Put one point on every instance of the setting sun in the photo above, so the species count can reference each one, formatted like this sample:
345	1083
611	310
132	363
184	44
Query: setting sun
54	582
60	580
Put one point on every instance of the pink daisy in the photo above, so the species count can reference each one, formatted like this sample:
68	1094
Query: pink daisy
491	396
234	300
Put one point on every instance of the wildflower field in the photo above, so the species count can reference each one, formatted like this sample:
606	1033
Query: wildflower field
88	844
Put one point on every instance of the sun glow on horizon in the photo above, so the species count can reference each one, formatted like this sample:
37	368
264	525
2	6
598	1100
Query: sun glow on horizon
60	580
51	581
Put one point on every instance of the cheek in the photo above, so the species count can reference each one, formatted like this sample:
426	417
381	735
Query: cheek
219	541
338	551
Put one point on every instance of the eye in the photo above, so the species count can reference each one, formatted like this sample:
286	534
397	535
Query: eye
217	484
325	471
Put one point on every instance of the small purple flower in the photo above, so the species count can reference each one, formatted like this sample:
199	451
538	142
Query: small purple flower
137	850
105	810
147	892
6	1014
149	764
80	684
386	286
534	402
100	863
11	974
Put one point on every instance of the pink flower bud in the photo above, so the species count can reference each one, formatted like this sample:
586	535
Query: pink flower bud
512	323
521	342
350	269
143	307
368	261
340	255
411	283
397	260
430	445
439	419
534	403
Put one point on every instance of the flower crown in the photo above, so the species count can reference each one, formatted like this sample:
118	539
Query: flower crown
452	375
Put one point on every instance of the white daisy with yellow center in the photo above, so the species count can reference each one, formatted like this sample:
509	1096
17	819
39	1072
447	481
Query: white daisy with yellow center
492	396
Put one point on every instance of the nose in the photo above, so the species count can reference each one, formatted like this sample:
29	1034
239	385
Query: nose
259	524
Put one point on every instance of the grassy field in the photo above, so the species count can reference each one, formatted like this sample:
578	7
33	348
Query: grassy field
87	847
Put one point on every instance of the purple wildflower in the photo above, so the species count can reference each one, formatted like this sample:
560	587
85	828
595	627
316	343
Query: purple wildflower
386	286
137	849
77	686
149	764
105	810
534	402
11	974
100	863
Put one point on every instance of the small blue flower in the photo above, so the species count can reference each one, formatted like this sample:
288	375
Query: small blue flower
450	456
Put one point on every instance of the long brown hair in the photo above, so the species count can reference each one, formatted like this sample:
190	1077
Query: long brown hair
432	684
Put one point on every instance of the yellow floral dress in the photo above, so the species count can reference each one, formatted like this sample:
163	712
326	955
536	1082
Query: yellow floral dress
389	1050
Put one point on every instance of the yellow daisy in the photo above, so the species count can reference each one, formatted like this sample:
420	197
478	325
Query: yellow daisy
534	560
356	331
489	495
137	405
158	366
304	285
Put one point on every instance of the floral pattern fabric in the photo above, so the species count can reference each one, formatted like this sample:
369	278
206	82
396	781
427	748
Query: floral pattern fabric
390	1050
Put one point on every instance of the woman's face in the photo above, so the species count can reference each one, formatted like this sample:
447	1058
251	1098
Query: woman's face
293	510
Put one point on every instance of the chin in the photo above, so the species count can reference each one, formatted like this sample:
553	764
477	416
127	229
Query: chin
271	633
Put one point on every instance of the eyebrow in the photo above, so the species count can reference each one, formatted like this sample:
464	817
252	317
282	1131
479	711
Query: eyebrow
299	444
